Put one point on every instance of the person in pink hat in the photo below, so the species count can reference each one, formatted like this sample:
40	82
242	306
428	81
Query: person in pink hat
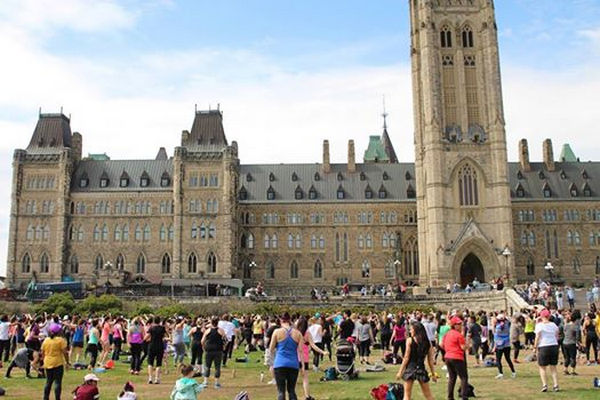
546	348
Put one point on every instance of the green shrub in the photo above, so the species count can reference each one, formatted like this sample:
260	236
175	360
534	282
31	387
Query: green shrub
58	303
107	303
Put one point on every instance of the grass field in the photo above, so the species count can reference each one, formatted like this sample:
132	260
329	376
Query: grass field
247	377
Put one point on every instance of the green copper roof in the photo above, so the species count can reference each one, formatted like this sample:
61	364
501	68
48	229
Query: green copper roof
567	155
98	157
376	150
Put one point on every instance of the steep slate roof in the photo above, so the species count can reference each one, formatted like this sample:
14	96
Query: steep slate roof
207	129
114	170
388	147
566	154
51	132
376	150
559	181
328	184
162	154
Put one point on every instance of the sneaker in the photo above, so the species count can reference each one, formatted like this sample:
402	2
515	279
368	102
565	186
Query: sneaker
217	385
555	388
513	375
271	382
544	388
157	381
150	382
574	373
316	369
500	376
444	368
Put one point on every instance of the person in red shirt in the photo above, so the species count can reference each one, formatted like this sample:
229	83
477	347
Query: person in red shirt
454	345
89	389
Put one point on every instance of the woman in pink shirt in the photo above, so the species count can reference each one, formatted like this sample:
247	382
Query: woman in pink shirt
117	338
399	338
105	339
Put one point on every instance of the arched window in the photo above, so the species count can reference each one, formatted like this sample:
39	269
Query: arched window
446	37
30	233
321	242
212	263
163	233
212	231
120	263
171	233
194	230
270	270
548	245
411	258
192	264
345	246
138	233
126	233
274	242
467	186
202	230
298	241
165	264
361	241
45	233
267	241
369	241
530	267
96	233
99	262
44	263
104	233
318	269
140	265
467	37
365	270
74	265
337	247
290	241
294	270
146	233
117	233
26	264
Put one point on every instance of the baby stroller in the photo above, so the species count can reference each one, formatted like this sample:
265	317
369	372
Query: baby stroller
345	355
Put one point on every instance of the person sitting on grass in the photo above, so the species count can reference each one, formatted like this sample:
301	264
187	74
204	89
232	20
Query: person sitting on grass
89	389
128	392
186	388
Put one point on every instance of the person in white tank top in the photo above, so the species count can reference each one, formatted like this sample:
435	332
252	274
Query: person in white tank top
316	332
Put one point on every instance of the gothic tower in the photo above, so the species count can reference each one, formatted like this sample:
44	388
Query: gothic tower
463	199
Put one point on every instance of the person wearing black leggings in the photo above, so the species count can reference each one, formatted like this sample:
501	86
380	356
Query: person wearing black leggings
502	345
591	339
454	346
196	334
55	354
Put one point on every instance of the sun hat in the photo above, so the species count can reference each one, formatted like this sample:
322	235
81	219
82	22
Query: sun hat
54	329
500	316
90	377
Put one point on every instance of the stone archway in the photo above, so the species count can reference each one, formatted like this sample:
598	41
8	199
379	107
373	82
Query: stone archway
471	268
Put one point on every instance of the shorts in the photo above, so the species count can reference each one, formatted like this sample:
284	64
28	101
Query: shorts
34	345
155	357
78	344
548	355
305	366
257	336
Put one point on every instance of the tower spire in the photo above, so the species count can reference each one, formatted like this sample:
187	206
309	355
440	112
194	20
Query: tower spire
384	115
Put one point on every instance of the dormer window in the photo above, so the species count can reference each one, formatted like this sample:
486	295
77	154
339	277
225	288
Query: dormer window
294	177
584	174
520	191
341	195
271	177
363	177
587	191
124	180
270	193
410	192
385	176
103	182
563	175
84	181
248	177
165	180
382	194
368	192
312	193
573	190
145	180
542	175
317	176
243	194
407	176
298	193
519	175
547	191
340	177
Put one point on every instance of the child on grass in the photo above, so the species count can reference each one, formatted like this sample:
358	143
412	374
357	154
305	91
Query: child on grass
186	388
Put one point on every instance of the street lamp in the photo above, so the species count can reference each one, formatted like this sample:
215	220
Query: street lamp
397	264
506	253
550	268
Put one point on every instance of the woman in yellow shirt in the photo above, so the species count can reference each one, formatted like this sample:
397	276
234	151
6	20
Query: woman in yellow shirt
55	355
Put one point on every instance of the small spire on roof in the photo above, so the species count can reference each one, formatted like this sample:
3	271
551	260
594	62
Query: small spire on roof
384	115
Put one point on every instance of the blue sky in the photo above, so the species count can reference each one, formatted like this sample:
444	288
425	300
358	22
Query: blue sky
289	73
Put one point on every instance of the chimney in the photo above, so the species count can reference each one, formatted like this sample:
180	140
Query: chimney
76	146
351	158
524	156
549	155
326	164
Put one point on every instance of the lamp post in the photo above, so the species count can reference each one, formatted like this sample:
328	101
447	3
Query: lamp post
397	264
550	268
506	253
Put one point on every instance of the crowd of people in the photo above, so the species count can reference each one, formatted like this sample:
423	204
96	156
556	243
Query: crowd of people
415	341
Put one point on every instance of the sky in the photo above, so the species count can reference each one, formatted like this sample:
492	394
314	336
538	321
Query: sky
287	74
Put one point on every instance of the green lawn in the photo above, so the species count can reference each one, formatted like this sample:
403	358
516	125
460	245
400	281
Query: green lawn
525	386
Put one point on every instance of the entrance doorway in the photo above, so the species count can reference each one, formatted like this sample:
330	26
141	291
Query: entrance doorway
470	268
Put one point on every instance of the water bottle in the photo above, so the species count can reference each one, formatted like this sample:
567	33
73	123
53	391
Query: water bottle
262	377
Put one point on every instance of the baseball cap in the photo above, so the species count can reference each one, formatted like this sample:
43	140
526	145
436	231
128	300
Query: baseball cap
455	321
90	377
544	313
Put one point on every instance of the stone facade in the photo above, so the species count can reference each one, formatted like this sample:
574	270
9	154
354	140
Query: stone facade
460	211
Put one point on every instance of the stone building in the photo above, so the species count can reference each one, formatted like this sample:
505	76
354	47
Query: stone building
460	211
